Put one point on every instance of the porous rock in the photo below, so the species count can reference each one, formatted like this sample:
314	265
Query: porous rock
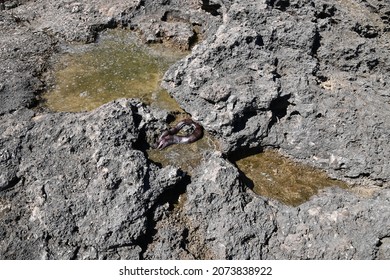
306	77
82	188
221	219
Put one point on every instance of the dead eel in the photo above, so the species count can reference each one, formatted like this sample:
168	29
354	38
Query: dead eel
170	137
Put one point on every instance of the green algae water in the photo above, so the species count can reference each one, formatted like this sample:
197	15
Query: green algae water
273	175
118	66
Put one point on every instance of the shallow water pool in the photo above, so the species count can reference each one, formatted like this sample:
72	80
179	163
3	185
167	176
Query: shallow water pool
118	66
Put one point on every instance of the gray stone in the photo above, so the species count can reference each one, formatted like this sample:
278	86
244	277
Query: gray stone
333	225
221	219
84	190
306	77
301	76
233	224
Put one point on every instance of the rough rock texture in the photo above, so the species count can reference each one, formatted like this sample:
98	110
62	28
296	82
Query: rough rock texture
346	227
32	31
220	219
177	23
23	58
82	188
307	77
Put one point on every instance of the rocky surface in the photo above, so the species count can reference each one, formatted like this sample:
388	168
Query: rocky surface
23	57
83	188
224	220
34	31
306	77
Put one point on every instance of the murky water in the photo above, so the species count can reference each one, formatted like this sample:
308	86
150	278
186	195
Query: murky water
119	66
275	176
116	67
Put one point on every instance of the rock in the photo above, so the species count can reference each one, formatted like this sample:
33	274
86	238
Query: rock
74	20
14	126
175	23
84	191
306	77
301	76
333	225
238	224
8	5
338	104
23	58
220	219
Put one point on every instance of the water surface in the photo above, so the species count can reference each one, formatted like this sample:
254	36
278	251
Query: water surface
273	175
118	66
